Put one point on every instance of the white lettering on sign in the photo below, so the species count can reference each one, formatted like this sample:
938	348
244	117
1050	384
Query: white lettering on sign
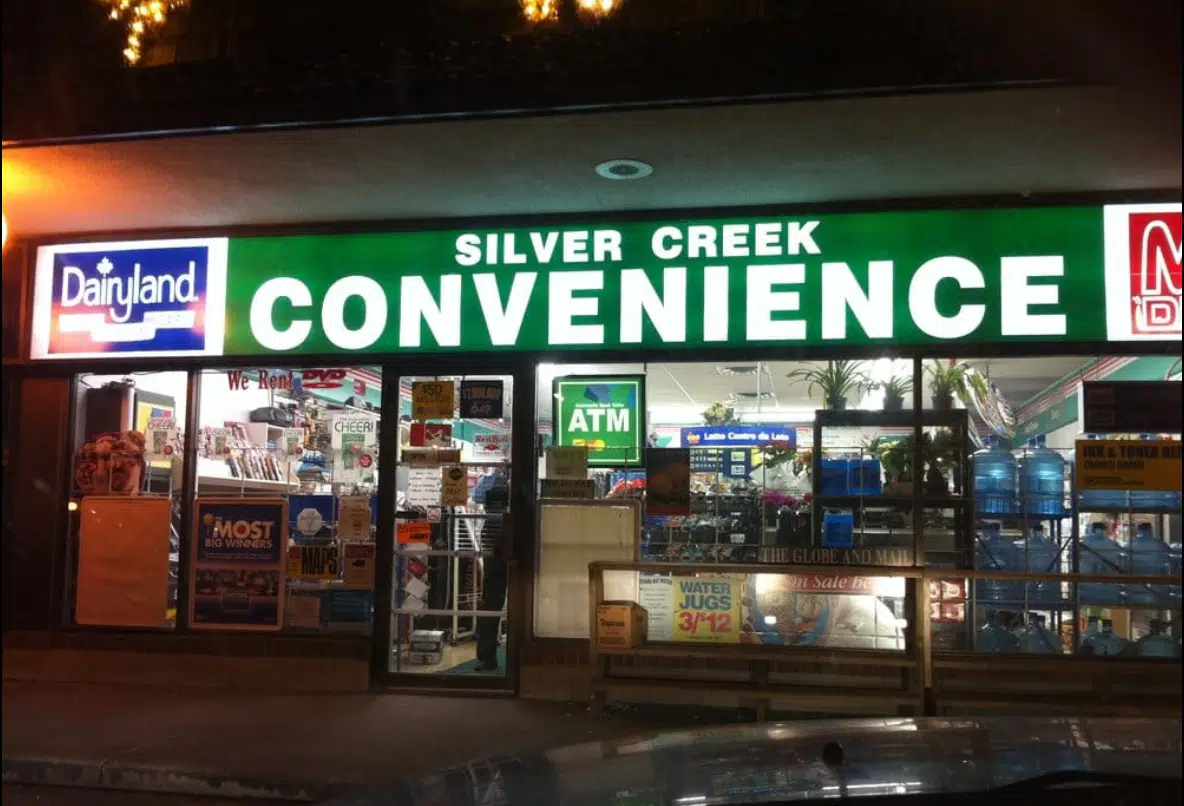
121	295
589	419
782	302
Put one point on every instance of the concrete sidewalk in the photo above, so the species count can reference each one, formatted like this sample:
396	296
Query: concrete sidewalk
281	746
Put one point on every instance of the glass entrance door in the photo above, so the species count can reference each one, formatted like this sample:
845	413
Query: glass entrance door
450	587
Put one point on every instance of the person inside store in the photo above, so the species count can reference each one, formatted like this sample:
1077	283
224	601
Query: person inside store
494	580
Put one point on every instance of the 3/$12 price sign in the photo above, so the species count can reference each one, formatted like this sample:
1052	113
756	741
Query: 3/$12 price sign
707	609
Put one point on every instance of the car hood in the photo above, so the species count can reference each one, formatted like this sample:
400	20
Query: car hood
804	760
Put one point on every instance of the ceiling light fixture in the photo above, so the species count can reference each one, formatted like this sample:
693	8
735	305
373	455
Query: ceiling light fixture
624	169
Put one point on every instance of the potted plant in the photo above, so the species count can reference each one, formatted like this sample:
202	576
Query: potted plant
895	390
719	414
947	379
837	381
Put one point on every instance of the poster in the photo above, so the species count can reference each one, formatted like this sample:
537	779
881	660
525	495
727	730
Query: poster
491	447
239	553
430	457
353	517
304	610
707	608
424	487
310	514
1128	464
454	486
823	610
656	595
292	442
358	565
123	561
668	481
320	563
433	400
567	462
481	399
412	532
431	435
161	437
582	489
605	414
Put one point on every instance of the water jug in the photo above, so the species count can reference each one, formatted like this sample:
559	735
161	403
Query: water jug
1107	644
1150	556
865	477
1154	500
1035	639
1039	555
1098	554
1042	480
993	552
994	638
1103	500
836	477
1157	643
994	479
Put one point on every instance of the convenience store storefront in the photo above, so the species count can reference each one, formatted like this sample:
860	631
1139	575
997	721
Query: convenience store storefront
347	442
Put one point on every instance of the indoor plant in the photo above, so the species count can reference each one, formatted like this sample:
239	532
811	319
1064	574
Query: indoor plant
948	379
895	389
837	380
719	414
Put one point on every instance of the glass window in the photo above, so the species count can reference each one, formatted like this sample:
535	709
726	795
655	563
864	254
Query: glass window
125	499
287	474
1032	512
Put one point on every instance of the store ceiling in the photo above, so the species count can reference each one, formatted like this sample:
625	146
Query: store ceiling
1004	142
698	385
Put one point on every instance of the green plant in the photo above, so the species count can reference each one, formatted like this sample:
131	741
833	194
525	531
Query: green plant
837	380
954	379
898	386
719	414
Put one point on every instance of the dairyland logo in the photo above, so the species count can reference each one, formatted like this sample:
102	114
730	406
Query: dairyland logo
151	298
1143	250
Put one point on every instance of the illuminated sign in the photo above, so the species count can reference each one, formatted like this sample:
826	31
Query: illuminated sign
894	278
147	298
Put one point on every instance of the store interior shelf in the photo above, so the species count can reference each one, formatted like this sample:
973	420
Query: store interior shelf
1129	511
851	418
888	501
227	483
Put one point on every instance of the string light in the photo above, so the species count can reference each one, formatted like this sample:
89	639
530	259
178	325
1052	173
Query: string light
141	18
540	10
598	8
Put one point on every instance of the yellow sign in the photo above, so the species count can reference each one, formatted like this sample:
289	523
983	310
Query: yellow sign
1128	464
707	608
314	562
433	400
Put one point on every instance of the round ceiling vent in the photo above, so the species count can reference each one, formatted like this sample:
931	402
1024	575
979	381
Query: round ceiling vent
624	169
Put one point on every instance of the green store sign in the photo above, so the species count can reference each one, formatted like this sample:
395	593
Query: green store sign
1067	274
604	414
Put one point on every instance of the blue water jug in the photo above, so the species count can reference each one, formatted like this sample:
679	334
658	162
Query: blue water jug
1035	639
994	638
1042	480
836	477
1098	554
838	530
1106	643
864	477
994	479
1102	500
1154	500
1150	556
1157	643
993	552
1039	555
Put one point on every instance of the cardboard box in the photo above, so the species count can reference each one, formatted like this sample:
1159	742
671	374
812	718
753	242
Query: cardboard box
620	625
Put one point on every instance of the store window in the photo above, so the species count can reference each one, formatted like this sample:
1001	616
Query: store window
1003	494
722	463
451	569
125	499
284	520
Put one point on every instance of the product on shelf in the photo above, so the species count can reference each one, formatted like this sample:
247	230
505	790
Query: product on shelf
1041	479
993	637
1035	638
1040	555
111	463
994	479
1104	642
1157	643
993	552
1150	556
1097	554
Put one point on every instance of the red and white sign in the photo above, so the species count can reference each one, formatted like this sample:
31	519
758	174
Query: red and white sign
431	435
1143	250
322	378
845	583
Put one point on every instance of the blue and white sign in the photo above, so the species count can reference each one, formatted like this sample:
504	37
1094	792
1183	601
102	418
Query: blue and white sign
130	299
738	436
